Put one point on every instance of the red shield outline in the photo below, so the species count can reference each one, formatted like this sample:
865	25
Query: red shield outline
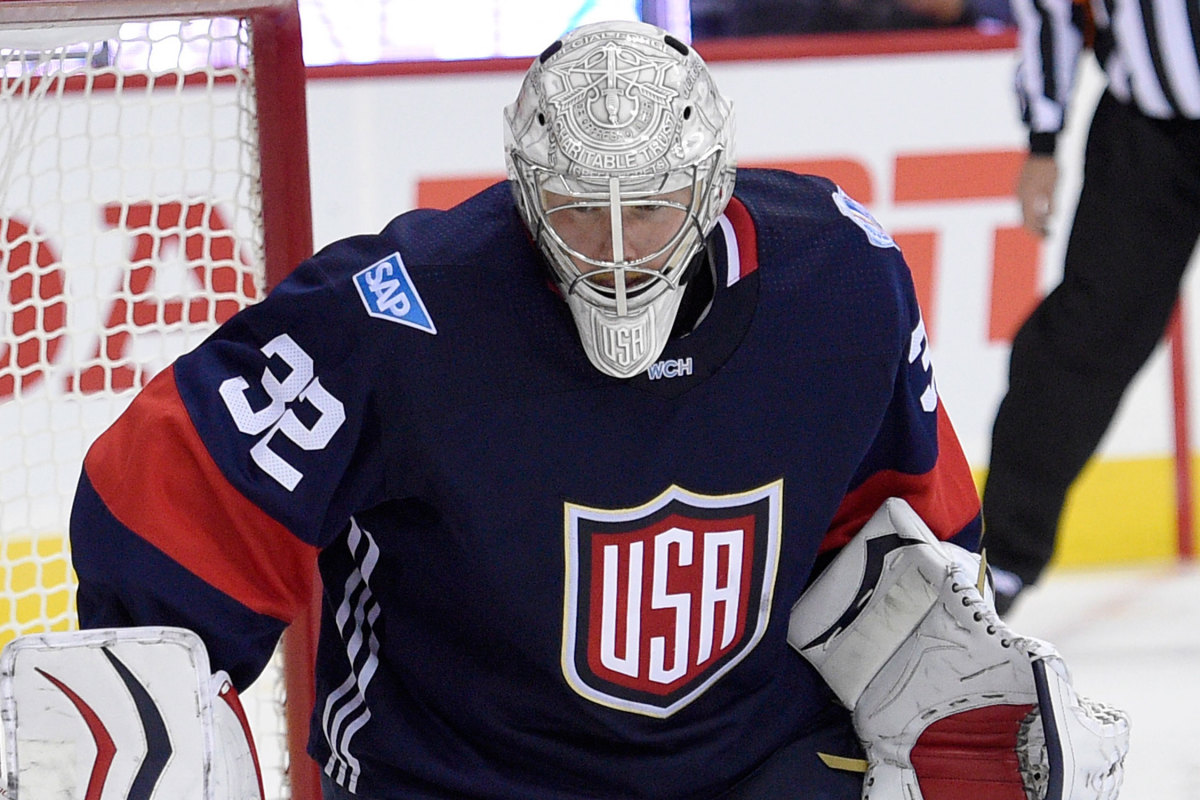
663	599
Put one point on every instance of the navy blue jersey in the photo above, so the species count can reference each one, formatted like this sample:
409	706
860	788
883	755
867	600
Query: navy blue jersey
539	580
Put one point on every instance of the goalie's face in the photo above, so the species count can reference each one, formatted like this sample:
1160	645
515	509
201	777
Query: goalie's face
616	247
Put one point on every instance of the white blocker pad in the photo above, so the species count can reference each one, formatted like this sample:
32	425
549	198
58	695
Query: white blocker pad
120	714
948	702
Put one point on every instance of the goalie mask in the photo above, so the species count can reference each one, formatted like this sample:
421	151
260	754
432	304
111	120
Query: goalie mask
619	149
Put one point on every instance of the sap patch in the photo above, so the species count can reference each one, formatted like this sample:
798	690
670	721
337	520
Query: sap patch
388	293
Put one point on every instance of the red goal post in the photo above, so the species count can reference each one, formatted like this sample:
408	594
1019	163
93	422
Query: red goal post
153	179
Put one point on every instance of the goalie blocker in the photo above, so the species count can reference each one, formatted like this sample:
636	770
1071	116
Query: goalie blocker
947	701
122	713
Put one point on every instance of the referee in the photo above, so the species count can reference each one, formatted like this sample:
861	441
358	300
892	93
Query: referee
1135	227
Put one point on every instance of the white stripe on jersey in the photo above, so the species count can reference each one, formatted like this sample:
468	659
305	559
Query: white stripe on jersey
356	616
733	259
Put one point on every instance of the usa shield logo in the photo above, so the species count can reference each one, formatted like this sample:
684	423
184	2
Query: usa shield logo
664	599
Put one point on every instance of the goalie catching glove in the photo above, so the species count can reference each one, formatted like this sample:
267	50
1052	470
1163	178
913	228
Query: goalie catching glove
122	713
948	702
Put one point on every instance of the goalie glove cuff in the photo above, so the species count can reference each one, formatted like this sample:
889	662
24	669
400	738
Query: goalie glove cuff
947	700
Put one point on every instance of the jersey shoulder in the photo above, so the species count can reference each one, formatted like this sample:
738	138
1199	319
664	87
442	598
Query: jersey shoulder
822	256
421	259
458	237
473	233
805	206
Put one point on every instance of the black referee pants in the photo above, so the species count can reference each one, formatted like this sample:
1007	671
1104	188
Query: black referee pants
1136	225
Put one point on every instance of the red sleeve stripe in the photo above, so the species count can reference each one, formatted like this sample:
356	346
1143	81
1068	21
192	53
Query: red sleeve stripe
944	497
157	478
741	241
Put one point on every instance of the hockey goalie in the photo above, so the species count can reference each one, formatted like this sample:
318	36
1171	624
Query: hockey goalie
947	701
122	714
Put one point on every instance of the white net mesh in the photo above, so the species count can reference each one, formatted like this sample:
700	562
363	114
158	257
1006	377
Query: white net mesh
130	227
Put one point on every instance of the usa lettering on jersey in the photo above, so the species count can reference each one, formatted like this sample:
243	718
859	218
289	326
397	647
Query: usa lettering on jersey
663	599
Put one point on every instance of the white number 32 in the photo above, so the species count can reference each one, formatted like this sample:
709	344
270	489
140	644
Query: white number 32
277	417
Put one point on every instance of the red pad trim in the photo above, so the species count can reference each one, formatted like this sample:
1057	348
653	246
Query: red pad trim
157	478
971	755
746	234
229	694
945	497
106	750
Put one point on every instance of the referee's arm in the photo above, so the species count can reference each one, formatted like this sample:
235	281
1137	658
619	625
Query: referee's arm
1050	40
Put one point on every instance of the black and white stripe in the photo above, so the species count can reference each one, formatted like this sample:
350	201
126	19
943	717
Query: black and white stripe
1150	50
346	710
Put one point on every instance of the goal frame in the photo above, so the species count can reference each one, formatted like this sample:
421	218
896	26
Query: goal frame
280	77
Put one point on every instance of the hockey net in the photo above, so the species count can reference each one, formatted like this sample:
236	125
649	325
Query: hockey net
153	180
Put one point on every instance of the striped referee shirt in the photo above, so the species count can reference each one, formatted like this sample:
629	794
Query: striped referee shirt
1149	49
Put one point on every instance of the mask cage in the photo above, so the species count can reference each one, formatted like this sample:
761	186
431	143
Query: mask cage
619	284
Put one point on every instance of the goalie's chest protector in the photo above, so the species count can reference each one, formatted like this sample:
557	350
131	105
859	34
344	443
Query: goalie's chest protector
544	562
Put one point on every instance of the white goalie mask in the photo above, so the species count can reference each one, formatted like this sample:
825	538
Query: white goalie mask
619	149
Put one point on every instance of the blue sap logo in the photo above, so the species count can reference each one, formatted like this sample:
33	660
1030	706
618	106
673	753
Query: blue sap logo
388	293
